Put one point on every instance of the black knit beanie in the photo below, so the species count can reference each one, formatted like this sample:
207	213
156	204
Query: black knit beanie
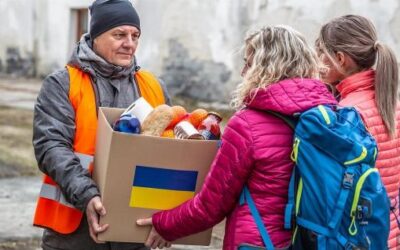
108	14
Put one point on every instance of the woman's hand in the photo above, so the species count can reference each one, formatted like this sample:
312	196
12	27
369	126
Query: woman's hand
154	239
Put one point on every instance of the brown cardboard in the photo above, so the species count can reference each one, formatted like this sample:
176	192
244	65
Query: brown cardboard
117	155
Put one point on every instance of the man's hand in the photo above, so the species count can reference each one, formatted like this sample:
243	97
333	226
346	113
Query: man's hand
94	210
154	239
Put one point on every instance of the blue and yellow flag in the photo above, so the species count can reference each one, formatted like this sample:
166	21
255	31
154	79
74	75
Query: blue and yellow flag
160	188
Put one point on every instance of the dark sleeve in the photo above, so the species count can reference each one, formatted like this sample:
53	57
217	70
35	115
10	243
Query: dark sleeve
53	134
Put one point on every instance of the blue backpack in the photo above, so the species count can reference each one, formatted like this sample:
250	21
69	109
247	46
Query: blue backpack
336	198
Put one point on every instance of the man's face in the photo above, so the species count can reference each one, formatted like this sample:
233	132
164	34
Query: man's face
118	45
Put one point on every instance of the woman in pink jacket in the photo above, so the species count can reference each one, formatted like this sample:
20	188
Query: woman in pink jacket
364	72
277	75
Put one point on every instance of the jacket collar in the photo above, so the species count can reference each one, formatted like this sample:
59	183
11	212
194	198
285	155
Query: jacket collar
291	96
357	82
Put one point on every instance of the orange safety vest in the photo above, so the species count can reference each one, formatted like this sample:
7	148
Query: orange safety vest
53	210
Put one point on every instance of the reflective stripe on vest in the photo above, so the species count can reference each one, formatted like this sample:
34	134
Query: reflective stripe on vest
53	192
52	209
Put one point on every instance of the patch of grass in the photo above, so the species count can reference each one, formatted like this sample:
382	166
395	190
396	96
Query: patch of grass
16	117
16	151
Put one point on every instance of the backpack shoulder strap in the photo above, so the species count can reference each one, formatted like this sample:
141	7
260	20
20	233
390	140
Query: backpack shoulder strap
245	197
290	120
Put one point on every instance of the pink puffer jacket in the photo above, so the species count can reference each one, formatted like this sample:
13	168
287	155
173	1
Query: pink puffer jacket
255	150
358	90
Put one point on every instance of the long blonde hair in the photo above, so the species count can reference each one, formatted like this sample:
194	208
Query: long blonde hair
356	36
277	52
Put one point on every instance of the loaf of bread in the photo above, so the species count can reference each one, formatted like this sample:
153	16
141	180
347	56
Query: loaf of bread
157	121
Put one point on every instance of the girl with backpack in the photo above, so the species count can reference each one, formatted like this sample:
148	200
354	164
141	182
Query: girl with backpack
364	72
278	75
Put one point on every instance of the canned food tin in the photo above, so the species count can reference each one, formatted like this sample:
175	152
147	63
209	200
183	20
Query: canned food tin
185	130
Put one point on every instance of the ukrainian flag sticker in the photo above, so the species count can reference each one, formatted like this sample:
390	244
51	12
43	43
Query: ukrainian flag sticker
160	188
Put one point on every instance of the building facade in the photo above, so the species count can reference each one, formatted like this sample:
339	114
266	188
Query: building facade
193	45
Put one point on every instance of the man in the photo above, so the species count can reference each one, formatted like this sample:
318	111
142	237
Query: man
102	72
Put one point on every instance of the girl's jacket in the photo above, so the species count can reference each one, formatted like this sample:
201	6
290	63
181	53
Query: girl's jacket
255	151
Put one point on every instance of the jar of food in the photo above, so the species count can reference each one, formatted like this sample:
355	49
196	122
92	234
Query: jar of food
209	127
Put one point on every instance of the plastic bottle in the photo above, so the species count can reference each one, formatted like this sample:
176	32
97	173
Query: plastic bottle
127	123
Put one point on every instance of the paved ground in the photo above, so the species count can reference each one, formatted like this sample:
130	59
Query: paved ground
19	93
17	200
18	195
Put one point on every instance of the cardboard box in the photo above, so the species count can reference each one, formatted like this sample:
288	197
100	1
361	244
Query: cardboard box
130	171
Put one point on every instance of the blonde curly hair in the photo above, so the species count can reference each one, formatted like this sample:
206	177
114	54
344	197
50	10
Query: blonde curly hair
272	54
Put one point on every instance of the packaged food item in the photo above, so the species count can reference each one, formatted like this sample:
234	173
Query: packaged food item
157	121
185	130
128	124
139	108
209	127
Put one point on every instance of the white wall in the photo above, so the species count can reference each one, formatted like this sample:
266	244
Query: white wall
211	31
17	26
215	29
54	32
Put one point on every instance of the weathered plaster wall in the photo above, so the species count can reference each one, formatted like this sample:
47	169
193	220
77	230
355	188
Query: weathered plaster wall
38	30
194	45
54	32
16	32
